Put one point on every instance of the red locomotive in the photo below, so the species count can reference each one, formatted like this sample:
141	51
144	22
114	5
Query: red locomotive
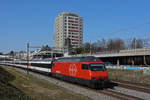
89	71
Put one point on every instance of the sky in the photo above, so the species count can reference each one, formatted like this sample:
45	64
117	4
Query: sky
32	21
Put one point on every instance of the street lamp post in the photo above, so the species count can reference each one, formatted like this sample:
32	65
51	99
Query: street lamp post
28	46
52	52
27	58
135	45
90	49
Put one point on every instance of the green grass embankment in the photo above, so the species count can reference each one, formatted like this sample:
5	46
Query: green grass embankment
15	85
129	75
9	91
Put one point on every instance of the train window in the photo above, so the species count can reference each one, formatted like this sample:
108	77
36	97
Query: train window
85	66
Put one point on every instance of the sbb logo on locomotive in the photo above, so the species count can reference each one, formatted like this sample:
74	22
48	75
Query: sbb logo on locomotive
72	69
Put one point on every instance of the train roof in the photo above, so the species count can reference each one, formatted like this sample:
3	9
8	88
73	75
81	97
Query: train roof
78	59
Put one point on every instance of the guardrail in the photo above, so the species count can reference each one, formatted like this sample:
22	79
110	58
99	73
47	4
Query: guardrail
116	54
146	70
119	53
129	67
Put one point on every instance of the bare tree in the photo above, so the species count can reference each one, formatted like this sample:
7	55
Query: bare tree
115	44
110	44
12	53
146	43
86	47
137	43
102	44
119	44
94	47
133	43
46	48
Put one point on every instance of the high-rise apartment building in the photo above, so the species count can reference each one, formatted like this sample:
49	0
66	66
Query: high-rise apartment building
68	26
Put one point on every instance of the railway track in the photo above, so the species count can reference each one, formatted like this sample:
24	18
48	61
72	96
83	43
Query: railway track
109	92
138	87
112	92
119	95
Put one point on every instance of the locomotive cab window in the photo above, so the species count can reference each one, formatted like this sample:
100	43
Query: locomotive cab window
97	67
85	66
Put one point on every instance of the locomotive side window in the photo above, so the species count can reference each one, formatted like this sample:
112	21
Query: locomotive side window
85	66
97	67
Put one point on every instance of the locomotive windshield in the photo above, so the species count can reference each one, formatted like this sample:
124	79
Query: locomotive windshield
97	67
